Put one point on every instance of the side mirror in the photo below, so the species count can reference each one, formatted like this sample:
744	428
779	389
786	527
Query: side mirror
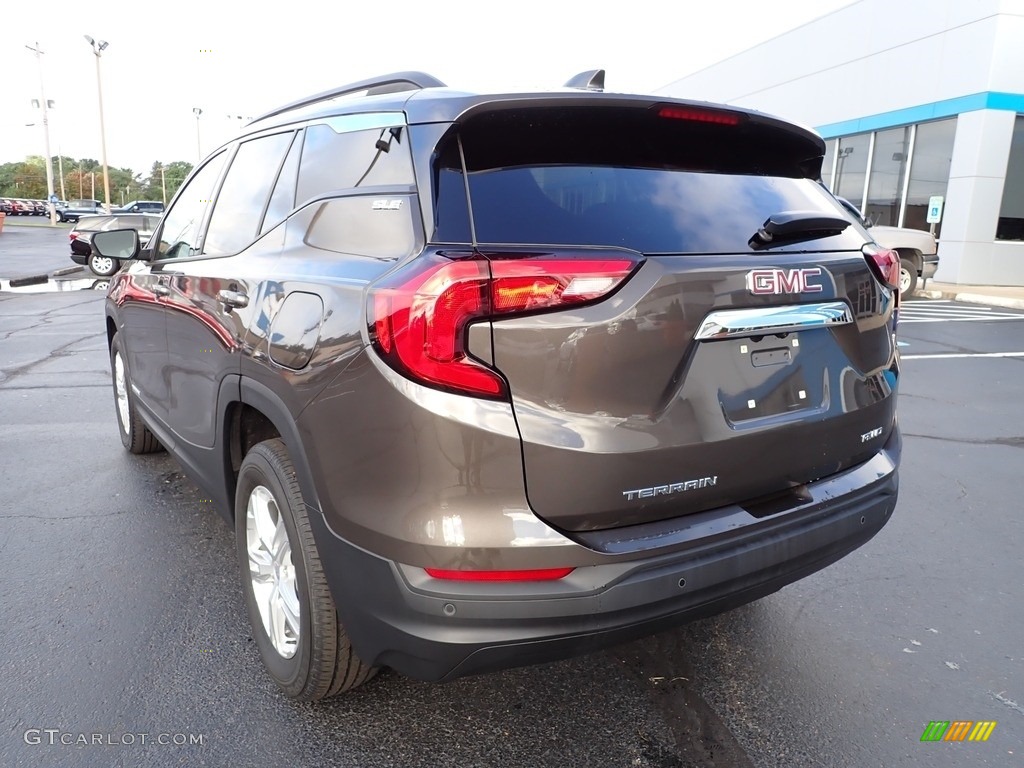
122	244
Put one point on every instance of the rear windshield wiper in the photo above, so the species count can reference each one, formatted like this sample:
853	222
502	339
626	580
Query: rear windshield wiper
797	225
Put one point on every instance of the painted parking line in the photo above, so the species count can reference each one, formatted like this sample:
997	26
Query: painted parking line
959	355
951	311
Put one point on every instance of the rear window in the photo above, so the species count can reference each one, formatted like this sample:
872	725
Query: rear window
655	186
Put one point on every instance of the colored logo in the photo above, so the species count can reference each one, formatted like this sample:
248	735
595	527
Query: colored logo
958	730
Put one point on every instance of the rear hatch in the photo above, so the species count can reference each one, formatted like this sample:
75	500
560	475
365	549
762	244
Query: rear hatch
728	366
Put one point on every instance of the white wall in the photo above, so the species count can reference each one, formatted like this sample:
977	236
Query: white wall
871	57
968	252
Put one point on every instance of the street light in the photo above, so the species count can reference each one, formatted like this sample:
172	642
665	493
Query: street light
46	135
97	48
199	148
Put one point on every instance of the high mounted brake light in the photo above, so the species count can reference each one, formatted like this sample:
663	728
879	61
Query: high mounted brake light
699	115
420	315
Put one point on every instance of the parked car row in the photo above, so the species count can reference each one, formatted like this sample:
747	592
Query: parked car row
78	208
19	207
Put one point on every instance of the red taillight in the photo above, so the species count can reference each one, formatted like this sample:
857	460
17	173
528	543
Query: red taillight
73	235
537	574
699	115
420	316
884	262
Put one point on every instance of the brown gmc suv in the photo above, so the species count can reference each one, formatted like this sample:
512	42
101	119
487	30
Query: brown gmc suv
487	380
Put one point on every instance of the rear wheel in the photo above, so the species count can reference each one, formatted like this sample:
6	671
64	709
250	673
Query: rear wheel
294	621
908	277
135	436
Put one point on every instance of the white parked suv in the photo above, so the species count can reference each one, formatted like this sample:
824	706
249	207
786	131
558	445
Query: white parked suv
919	257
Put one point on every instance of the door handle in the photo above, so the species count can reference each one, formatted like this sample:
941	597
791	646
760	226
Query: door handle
161	290
233	299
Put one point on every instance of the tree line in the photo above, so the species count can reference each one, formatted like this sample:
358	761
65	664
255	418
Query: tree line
84	176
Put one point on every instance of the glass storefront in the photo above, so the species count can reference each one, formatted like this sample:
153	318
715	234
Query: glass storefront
851	167
909	166
889	162
929	172
1011	212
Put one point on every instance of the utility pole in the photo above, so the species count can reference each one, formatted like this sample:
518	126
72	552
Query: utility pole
46	134
163	184
97	49
60	164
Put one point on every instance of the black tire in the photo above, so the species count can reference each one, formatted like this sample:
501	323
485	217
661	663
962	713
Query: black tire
135	436
908	277
323	661
103	266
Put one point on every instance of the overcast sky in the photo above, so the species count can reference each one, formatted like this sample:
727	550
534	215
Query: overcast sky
165	58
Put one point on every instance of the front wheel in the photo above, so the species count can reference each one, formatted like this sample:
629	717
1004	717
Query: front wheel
908	277
294	621
103	266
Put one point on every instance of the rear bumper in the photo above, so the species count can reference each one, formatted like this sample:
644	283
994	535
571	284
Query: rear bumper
429	629
929	265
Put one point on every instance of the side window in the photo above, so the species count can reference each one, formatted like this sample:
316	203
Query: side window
332	160
283	199
239	207
179	235
368	225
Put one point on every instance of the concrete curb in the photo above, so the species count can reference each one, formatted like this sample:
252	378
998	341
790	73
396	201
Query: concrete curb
996	301
1008	302
68	270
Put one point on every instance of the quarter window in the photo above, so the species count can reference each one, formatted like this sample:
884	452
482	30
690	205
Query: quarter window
179	235
331	160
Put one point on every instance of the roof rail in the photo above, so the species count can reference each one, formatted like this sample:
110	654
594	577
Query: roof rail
393	83
591	80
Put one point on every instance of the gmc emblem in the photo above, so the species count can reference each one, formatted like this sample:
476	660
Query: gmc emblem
776	280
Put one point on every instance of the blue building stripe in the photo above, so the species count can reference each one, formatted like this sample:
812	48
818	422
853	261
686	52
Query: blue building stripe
1012	102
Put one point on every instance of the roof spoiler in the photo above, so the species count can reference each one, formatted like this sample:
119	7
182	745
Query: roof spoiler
591	80
374	86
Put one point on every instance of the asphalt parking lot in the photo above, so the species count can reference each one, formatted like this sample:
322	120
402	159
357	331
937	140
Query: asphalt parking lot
121	611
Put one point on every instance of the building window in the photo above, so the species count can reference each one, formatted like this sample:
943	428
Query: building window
888	168
826	163
851	167
1011	212
929	172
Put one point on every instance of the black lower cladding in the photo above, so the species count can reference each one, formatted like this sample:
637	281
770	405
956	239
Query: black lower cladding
389	625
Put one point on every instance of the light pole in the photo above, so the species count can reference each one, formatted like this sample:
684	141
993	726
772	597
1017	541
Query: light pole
97	49
199	147
46	134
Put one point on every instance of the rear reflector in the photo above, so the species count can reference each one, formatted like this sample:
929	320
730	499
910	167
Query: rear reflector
539	574
699	115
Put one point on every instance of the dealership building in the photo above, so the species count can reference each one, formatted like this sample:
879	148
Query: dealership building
920	104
